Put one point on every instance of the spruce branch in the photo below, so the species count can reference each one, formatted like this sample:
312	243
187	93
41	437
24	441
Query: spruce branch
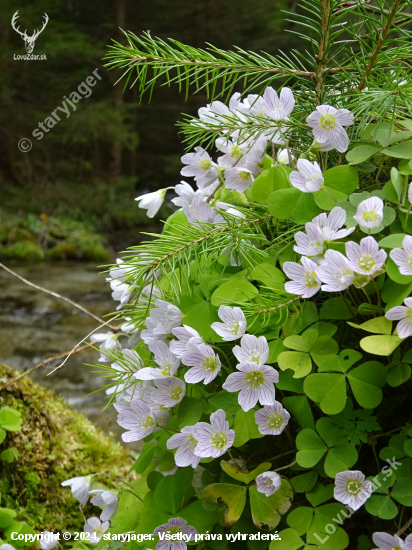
379	44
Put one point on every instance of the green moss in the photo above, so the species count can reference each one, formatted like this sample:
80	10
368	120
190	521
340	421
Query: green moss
22	250
55	443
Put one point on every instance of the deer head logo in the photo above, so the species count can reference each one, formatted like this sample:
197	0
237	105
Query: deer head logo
29	41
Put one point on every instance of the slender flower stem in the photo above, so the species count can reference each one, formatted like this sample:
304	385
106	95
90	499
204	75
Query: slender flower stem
234	461
132	492
402	529
405	225
370	302
285	467
347	304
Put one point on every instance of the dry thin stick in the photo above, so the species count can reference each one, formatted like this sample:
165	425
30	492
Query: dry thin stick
78	306
47	361
402	529
284	467
281	305
78	344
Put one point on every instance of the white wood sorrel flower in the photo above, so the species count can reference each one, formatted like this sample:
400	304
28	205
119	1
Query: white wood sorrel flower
254	382
213	439
403	256
234	323
152	202
205	364
403	314
96	529
383	541
352	489
107	500
365	258
168	392
308	178
268	483
335	272
200	166
167	361
275	107
188	340
330	224
272	419
305	280
137	418
252	350
80	487
175	526
369	213
328	124
185	443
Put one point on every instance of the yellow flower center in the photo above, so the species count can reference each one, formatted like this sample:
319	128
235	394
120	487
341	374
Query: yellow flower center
370	216
366	262
234	327
275	421
409	313
311	280
328	122
353	486
245	176
210	364
148	423
205	164
98	531
166	369
176	393
236	151
254	356
255	378
174	530
219	440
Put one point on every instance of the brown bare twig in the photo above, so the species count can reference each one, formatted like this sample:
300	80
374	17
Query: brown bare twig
74	304
49	360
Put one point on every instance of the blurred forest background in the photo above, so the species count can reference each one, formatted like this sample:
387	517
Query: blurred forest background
84	174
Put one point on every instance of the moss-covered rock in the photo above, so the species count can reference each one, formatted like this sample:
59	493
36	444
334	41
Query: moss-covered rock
55	443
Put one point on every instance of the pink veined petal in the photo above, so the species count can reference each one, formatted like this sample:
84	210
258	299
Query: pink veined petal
368	245
266	394
315	185
294	271
344	117
381	258
340	140
306	168
298	181
235	382
287	100
308	264
396	313
352	251
311	292
321	135
248	398
326	110
313	118
408	302
384	541
176	440
195	375
270	96
270	373
295	287
218	420
407	244
336	218
404	328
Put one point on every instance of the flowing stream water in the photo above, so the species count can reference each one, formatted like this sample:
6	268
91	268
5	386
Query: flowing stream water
35	326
